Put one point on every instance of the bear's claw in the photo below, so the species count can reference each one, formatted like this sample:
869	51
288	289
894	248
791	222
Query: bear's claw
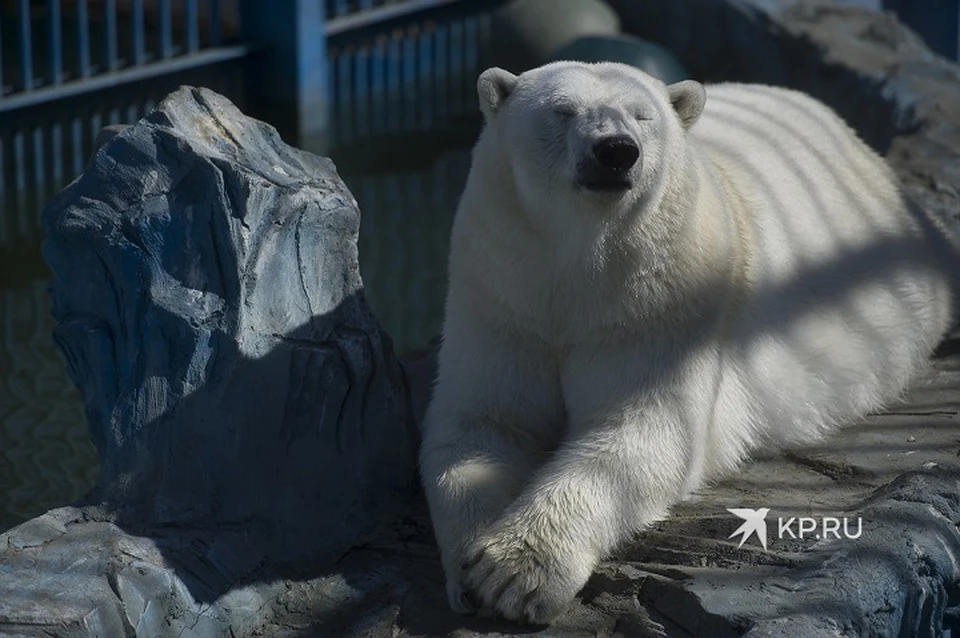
513	579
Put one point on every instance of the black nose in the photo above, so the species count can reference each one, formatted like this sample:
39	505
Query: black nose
617	153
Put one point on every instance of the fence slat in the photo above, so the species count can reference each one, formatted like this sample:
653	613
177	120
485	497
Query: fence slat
470	62
344	131
192	18
393	85
6	209
76	146
456	68
83	39
2	91
139	46
94	124
57	159
427	70
26	45
166	29
361	84
55	45
409	81
110	32
20	181
40	176
442	60
378	86
214	23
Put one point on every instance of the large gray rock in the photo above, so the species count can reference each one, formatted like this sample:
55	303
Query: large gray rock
250	417
210	308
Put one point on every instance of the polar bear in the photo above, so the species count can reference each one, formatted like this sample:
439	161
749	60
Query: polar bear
646	284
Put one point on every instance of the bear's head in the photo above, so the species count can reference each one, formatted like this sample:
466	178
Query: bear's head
600	137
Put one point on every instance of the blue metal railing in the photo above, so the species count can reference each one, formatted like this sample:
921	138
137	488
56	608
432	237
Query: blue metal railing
83	40
402	73
26	49
110	22
335	76
48	22
69	67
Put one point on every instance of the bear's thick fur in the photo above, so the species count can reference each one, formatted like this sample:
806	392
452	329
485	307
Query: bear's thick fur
647	283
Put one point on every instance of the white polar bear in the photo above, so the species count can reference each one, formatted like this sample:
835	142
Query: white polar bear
647	283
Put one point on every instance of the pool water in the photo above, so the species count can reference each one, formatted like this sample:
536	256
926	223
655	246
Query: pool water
404	237
46	457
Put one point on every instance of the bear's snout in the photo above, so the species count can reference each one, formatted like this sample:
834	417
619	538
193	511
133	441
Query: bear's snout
616	153
608	165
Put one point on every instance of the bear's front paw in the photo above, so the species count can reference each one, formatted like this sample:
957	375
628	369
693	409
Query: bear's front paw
521	577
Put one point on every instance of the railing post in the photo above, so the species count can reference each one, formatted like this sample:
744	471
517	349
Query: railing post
286	79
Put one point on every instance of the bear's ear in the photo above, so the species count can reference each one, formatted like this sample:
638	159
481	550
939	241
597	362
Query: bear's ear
687	98
494	86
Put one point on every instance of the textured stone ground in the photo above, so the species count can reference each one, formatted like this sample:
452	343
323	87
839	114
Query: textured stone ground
897	470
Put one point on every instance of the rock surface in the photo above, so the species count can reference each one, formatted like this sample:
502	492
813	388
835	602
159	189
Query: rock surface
251	419
896	473
210	307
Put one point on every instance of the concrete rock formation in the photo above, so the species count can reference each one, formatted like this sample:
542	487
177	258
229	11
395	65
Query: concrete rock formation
251	419
210	307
